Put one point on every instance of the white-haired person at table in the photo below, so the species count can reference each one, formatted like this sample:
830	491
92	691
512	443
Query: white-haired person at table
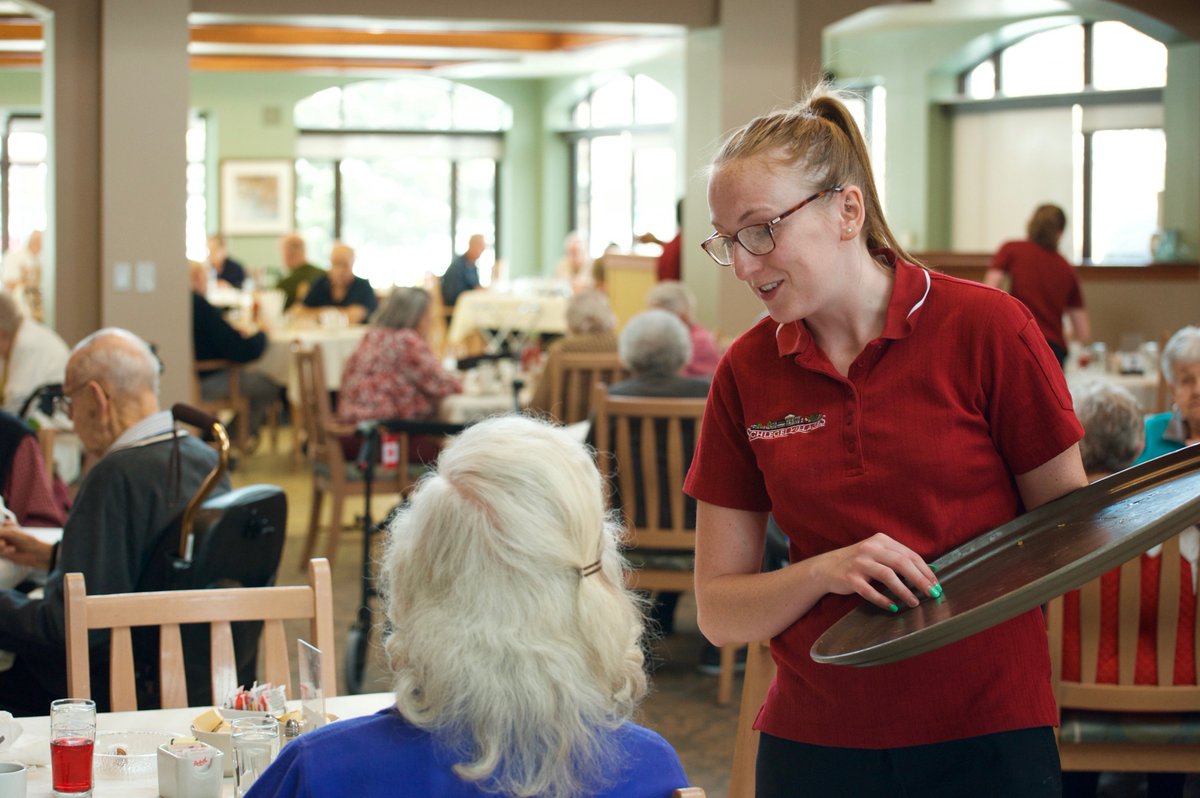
590	325
1180	426
515	647
674	296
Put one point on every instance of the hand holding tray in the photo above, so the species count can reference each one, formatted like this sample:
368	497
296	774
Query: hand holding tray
1028	561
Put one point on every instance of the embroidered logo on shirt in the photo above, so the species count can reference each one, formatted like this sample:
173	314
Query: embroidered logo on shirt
789	425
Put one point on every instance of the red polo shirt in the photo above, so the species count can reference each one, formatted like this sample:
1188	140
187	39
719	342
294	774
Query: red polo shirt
920	441
1044	281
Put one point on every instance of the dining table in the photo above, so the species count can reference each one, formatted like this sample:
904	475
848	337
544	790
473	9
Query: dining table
497	317
337	345
32	748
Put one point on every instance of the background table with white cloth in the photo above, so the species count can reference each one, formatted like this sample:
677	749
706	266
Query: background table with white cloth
495	316
337	344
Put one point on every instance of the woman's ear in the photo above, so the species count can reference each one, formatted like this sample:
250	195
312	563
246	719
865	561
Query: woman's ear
851	212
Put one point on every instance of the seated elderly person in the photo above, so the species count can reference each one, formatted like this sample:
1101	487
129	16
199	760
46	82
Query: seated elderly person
393	373
299	274
654	346
213	338
1113	437
1180	427
143	477
31	355
674	296
514	647
590	325
341	290
28	497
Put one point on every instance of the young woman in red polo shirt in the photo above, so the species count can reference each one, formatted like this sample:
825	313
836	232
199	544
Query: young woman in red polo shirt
883	414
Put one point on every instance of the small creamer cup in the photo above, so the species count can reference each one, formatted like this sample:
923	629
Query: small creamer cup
12	780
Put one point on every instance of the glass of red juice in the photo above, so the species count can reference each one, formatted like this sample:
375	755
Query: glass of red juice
72	739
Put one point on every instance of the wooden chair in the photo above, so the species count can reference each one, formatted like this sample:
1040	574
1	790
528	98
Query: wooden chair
1127	726
760	672
121	612
233	405
46	437
332	473
573	376
688	792
648	443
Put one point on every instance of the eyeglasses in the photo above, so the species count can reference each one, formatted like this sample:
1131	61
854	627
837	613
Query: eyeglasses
65	403
758	239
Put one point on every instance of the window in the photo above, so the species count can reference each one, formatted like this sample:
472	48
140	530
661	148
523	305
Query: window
868	106
405	171
22	178
1059	61
1102	158
624	165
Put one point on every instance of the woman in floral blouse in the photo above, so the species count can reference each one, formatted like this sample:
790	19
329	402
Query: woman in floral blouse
393	373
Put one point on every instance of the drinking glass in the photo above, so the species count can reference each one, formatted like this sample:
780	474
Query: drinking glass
255	744
72	739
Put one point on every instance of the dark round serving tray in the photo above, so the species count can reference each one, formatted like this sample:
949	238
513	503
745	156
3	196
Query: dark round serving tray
1028	561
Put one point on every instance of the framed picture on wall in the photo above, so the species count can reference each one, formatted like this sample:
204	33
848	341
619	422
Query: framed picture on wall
256	197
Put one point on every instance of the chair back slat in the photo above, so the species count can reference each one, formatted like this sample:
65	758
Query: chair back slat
218	608
1089	629
1167	626
275	652
122	684
1128	616
171	663
760	672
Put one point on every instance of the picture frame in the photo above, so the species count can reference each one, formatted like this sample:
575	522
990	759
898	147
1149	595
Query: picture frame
257	196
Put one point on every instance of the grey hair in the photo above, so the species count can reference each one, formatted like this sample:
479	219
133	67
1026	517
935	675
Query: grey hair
1113	426
403	309
120	361
1184	347
655	342
674	296
10	314
501	647
590	312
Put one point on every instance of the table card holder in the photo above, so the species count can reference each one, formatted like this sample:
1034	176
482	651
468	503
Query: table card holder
312	696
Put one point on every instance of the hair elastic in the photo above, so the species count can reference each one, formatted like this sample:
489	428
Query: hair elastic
588	570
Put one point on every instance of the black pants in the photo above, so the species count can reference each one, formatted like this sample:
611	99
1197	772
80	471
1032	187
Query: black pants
1014	764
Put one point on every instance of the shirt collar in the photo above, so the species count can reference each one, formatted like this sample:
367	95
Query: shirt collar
1176	430
910	289
153	425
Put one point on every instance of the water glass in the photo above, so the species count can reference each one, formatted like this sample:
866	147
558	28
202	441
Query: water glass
72	740
255	744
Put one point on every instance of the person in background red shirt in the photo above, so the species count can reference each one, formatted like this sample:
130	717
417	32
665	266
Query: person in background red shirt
1043	280
669	262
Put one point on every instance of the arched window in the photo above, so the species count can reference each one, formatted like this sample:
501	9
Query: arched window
1070	115
403	170
623	157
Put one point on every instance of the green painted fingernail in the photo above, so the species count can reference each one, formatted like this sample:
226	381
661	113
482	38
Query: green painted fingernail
936	591
893	608
933	568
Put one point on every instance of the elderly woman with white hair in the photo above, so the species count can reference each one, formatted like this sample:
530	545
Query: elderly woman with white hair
590	325
514	647
1179	427
674	296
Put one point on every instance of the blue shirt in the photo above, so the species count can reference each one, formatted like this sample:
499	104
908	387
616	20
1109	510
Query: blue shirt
383	756
461	275
360	292
1164	434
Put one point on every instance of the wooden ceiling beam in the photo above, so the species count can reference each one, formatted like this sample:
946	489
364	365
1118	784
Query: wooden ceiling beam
265	63
528	41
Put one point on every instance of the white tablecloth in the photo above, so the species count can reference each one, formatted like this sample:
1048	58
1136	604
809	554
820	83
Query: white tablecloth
337	344
1144	387
174	720
480	311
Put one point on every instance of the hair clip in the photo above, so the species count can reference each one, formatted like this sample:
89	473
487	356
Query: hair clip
588	570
